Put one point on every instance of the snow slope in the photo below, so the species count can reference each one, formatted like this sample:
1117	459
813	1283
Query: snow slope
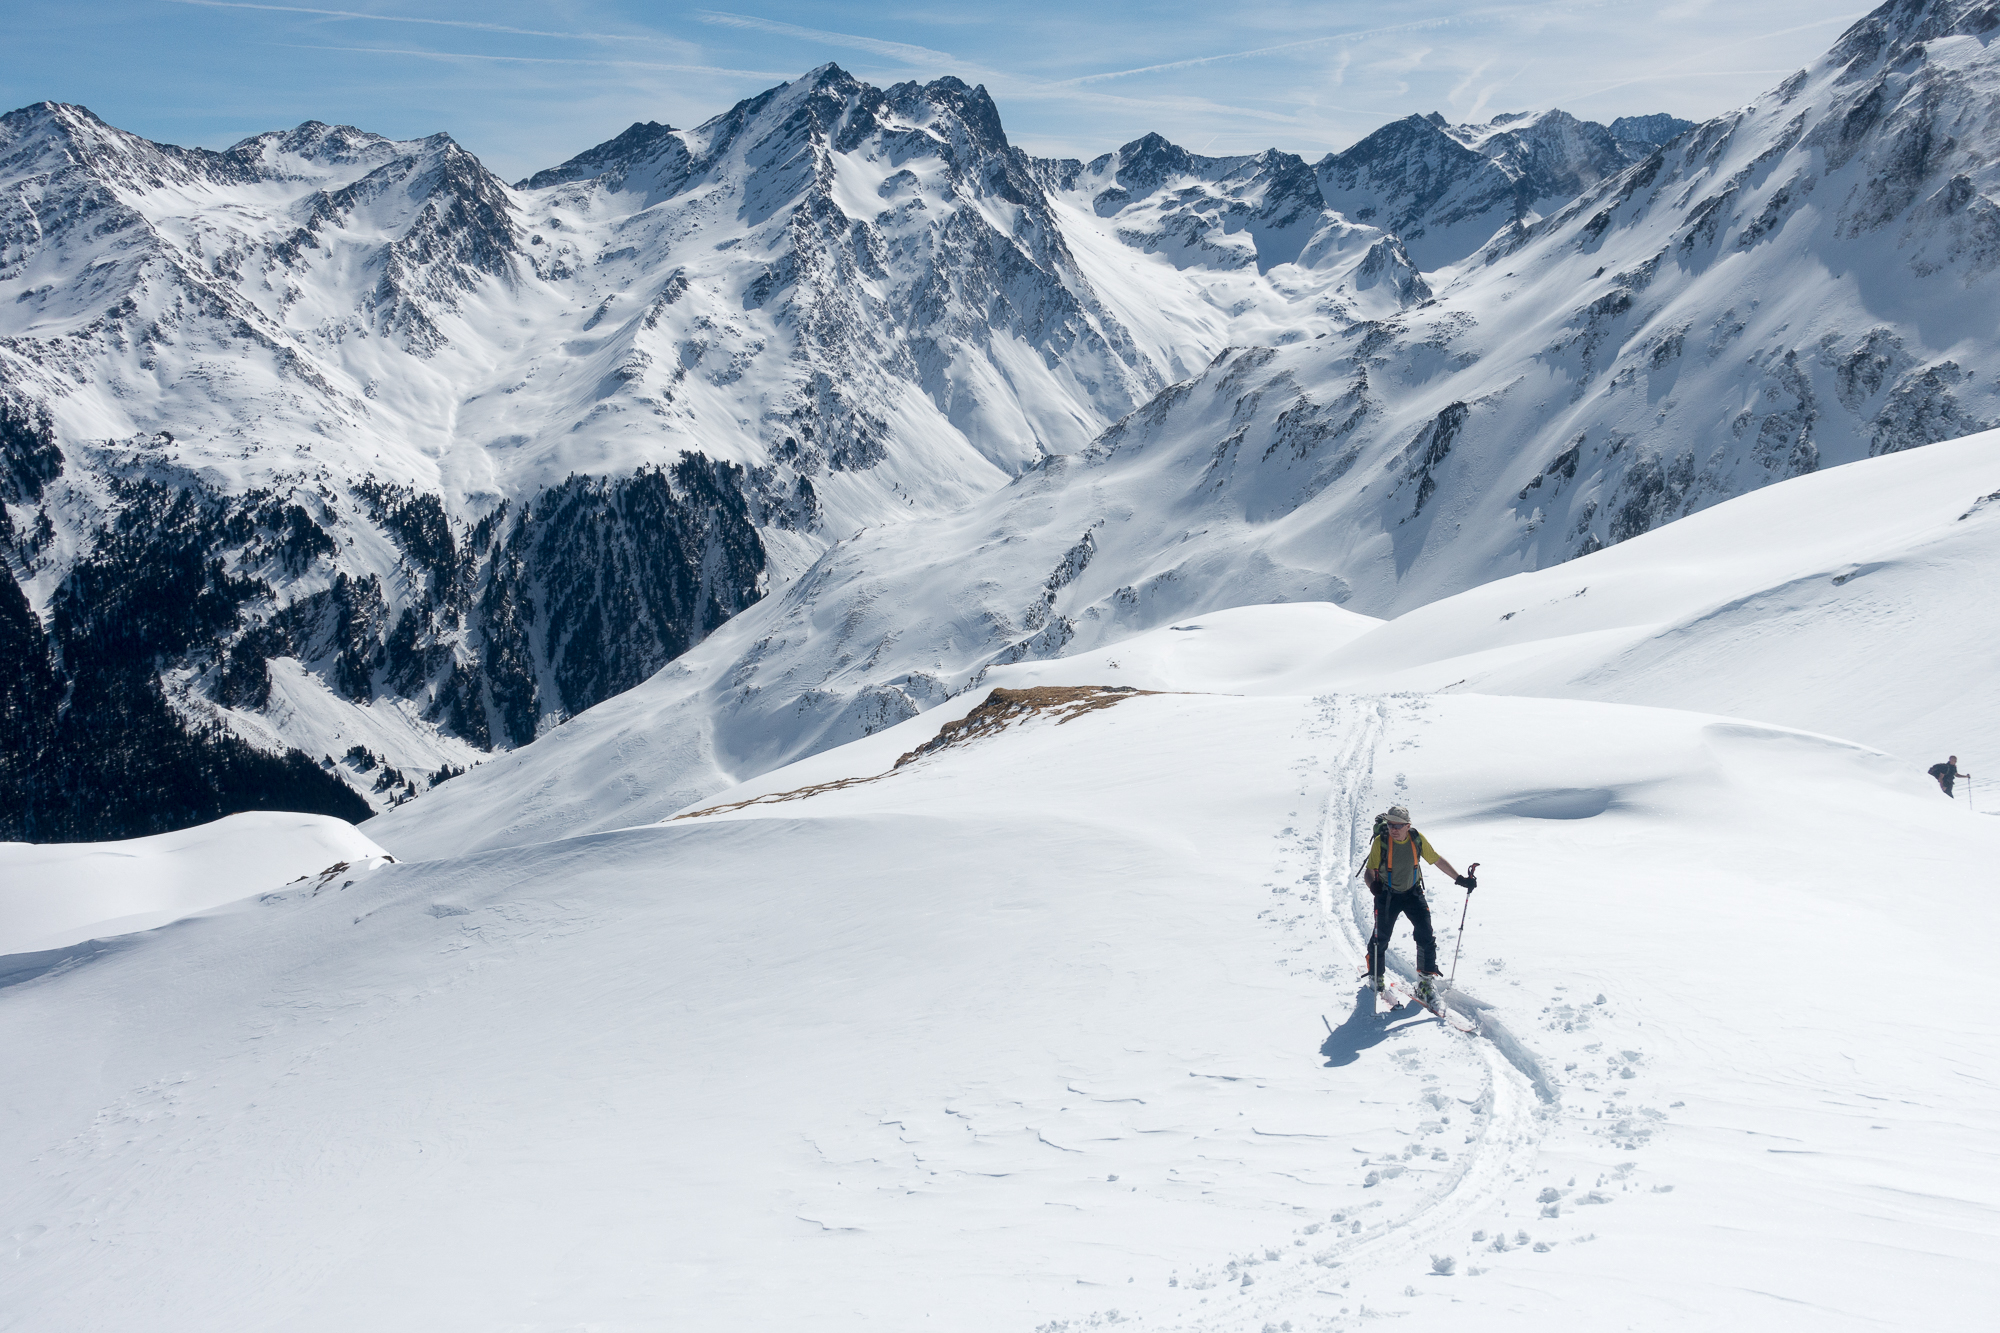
56	894
1734	610
1855	602
1061	1019
1051	1024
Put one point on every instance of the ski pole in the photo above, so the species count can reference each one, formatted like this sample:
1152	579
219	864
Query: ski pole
1452	980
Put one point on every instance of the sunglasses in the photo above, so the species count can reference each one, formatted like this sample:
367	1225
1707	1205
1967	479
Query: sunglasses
1391	824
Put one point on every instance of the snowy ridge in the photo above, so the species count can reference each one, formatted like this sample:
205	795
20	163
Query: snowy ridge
61	894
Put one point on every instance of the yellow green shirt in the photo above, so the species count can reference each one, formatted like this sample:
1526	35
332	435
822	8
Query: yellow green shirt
1403	859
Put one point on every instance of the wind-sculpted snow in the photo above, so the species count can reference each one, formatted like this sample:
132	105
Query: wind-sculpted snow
58	895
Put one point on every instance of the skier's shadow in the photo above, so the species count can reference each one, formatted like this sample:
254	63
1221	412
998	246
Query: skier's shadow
1362	1029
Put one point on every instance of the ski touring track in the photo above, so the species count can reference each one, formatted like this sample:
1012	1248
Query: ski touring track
1514	1107
1418	1209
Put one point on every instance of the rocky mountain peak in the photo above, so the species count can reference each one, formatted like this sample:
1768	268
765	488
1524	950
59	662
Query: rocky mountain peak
643	140
1553	157
50	119
1415	179
55	139
1640	133
313	142
1396	142
1901	24
969	108
1445	189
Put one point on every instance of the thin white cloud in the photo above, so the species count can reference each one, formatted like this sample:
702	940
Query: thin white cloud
404	18
1464	85
1672	72
1668	78
1195	61
901	51
536	60
1001	83
1012	89
1816	23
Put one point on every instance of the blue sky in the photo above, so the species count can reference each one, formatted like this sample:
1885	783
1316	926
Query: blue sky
525	84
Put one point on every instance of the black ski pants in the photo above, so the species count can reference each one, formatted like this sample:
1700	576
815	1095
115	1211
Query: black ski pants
1389	906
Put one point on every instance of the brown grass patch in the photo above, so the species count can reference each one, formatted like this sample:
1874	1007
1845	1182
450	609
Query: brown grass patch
1002	709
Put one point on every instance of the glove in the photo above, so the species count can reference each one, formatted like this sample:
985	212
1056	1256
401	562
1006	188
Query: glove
1467	882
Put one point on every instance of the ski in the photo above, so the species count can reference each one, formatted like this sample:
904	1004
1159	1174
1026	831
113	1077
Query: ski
1397	993
1451	1018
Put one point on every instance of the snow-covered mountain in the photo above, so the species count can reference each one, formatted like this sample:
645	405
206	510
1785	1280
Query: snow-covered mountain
447	461
1643	354
455	460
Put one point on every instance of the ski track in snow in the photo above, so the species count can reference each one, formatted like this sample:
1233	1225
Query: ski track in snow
1508	1122
1529	1141
1329	1270
1436	1213
1524	1123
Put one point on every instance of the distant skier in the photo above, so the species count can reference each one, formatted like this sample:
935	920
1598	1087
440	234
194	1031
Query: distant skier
1395	874
1947	775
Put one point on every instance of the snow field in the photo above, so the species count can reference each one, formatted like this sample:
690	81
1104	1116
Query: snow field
876	1054
1721	897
